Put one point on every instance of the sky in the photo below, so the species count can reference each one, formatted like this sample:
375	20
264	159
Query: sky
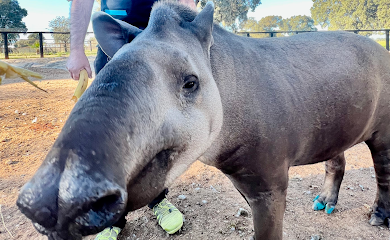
284	8
40	12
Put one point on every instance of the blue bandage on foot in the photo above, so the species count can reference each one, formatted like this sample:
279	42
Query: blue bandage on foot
318	206
318	196
329	209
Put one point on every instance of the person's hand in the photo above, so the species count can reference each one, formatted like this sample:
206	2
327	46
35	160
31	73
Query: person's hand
78	61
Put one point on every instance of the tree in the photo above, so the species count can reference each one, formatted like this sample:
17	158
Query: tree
60	24
298	23
270	23
274	23
22	43
250	25
383	13
266	24
351	14
31	41
11	15
231	13
34	37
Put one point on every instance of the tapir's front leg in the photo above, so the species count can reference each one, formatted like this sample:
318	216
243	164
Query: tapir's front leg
265	192
268	210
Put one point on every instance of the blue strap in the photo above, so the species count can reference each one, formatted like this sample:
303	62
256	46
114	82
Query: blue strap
116	12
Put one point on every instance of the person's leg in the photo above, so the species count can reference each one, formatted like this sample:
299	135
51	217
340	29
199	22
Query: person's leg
100	61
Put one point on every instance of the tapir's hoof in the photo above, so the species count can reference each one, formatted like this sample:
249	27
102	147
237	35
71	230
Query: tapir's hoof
375	220
329	208
319	205
380	216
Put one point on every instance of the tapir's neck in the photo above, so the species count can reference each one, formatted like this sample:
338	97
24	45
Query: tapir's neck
233	58
224	64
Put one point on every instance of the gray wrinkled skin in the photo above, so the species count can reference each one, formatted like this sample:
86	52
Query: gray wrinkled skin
185	89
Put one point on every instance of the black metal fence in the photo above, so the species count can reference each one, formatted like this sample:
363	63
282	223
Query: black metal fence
46	45
275	33
92	45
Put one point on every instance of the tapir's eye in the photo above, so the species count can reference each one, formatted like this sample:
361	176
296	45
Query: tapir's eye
191	83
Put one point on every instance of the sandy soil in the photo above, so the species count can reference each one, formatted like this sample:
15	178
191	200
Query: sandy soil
30	121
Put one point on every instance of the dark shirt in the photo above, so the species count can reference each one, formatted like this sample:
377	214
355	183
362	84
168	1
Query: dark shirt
135	12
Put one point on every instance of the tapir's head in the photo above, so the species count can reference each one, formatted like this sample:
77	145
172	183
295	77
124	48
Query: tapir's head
150	113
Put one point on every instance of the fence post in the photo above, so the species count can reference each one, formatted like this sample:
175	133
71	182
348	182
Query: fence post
90	45
271	34
5	37
41	44
387	40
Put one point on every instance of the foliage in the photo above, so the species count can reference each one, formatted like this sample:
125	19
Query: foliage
229	12
273	23
11	15
383	13
266	24
298	23
251	25
351	14
34	37
31	41
22	43
270	23
60	24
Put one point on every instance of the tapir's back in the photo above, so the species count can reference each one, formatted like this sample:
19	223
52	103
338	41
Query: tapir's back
288	92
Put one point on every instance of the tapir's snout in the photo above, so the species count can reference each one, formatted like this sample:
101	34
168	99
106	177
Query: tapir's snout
71	204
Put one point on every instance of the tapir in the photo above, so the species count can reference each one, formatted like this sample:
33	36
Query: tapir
185	89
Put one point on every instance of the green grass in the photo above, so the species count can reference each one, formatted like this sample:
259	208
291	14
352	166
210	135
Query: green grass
382	43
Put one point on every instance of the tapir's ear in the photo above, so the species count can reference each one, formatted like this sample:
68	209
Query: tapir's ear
111	33
204	24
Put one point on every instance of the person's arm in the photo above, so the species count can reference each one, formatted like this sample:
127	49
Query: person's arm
190	3
80	15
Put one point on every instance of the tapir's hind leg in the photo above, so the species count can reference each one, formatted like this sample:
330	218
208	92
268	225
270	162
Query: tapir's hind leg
330	191
379	146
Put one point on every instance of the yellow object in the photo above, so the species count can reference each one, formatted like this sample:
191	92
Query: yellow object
83	83
8	71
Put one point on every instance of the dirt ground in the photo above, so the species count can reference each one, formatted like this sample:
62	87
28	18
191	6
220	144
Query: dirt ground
30	121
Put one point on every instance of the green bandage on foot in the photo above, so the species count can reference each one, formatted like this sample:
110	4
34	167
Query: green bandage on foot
168	216
110	233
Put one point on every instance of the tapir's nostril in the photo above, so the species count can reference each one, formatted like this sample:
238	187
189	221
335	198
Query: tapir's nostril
40	208
44	215
102	208
107	203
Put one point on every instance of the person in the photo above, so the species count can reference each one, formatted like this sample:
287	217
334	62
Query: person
135	12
